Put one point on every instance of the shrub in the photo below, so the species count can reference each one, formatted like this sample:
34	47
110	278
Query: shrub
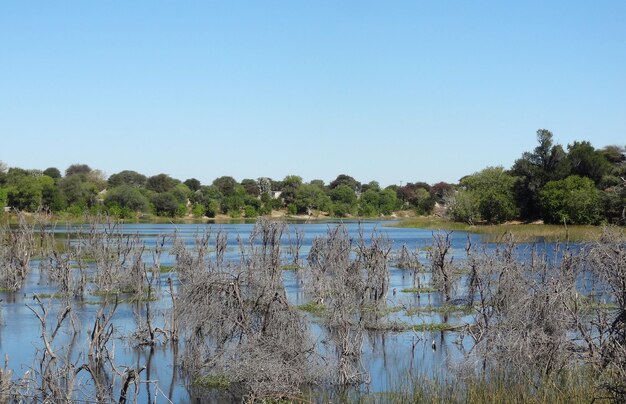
573	200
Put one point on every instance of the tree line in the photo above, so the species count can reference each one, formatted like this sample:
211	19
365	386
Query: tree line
577	185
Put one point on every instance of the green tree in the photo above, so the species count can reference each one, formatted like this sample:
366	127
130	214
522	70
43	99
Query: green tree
75	169
233	203
547	162
127	177
388	201
614	154
165	204
614	204
182	193
373	185
309	196
369	203
251	186
127	196
193	184
423	201
25	193
463	207
52	172
344	200
79	191
161	183
585	161
225	185
573	200
52	198
291	184
492	191
343	179
3	200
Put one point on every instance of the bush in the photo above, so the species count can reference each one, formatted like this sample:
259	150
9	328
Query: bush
250	211
197	210
165	204
126	196
212	208
573	200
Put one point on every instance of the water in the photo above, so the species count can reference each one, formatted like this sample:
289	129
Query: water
387	356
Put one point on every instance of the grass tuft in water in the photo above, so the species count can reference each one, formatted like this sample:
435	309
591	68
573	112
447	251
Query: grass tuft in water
212	382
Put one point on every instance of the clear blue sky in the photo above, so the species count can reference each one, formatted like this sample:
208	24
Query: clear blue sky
389	91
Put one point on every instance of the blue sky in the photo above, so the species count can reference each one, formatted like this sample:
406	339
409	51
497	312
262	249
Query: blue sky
387	91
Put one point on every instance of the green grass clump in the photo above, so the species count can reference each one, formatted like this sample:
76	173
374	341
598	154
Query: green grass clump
212	382
51	295
166	268
424	289
439	309
577	386
523	232
317	309
290	267
435	327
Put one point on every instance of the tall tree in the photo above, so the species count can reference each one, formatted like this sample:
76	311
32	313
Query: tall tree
127	177
77	169
161	183
545	163
585	161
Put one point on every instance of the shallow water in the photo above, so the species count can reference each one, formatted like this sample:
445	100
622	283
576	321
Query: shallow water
387	356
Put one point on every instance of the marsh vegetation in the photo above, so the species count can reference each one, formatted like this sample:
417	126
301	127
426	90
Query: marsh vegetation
270	311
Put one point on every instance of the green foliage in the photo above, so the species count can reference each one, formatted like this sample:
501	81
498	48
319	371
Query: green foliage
388	201
52	172
225	185
546	163
78	190
52	198
346	180
291	185
311	196
197	210
165	204
490	192
76	169
212	208
127	177
24	193
292	209
464	207
585	161
212	382
573	200
423	201
251	187
161	183
234	201
3	199
372	185
182	193
193	184
344	200
250	211
614	204
126	196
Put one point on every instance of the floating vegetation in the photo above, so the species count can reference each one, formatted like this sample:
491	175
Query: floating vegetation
423	289
212	382
314	308
412	311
